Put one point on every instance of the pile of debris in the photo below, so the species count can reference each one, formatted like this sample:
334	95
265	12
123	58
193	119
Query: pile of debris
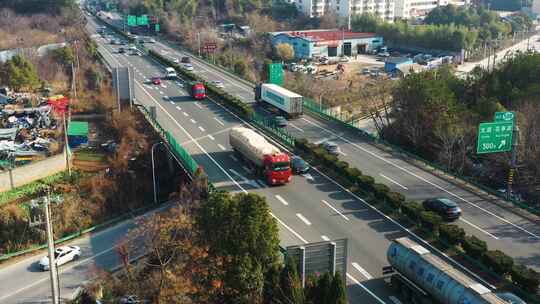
26	132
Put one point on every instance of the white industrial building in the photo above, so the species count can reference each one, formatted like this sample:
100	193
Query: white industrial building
344	8
414	9
385	9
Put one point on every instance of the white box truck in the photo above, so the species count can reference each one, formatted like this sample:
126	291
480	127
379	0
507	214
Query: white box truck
288	102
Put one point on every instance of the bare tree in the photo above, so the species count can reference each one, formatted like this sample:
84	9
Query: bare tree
376	101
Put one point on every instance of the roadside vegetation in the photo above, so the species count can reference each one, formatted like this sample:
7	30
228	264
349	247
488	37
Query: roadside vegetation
108	181
436	115
220	248
447	28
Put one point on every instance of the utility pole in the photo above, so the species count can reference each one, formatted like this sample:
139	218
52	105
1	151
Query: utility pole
513	161
199	42
50	244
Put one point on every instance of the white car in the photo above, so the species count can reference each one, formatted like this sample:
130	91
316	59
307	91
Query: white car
176	60
188	66
218	83
62	255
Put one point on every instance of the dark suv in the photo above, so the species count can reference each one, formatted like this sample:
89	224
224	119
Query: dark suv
446	208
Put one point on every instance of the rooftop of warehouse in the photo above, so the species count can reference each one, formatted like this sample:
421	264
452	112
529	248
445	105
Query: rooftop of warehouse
327	35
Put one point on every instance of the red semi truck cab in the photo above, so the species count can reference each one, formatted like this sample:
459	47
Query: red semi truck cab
198	91
277	169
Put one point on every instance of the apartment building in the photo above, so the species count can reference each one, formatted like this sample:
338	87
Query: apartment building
382	8
414	9
313	8
344	8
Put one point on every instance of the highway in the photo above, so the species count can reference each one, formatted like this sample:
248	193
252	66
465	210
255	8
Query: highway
310	209
516	235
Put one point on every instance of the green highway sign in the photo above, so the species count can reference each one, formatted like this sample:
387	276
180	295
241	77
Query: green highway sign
495	137
504	116
132	20
142	20
275	73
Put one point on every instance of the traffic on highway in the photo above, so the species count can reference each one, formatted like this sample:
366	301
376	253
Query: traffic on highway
308	205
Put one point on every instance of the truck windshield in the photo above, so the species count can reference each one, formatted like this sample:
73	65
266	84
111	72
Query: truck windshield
281	166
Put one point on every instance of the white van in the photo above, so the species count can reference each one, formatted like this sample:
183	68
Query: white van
170	73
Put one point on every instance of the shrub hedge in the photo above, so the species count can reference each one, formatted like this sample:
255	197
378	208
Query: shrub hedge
451	234
498	261
474	247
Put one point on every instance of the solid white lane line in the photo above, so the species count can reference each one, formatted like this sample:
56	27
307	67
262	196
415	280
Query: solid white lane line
191	138
424	180
198	105
288	228
491	235
350	277
394	300
362	271
178	108
324	237
185	114
281	199
201	128
341	152
233	157
305	220
211	137
221	147
335	210
219	121
297	128
239	175
393	181
246	169
193	121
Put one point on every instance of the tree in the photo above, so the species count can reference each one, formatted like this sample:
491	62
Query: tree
291	291
338	294
247	235
240	67
18	73
284	51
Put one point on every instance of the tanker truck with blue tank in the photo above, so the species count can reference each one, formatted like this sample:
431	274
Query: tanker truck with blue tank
422	277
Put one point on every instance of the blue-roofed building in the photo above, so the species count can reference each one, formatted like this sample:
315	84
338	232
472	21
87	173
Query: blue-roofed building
327	43
393	63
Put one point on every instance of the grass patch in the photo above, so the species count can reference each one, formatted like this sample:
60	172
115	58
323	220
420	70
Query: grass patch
36	186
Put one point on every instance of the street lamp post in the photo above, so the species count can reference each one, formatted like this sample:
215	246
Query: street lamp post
154	170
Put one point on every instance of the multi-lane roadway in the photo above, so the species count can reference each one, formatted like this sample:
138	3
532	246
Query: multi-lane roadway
312	208
500	227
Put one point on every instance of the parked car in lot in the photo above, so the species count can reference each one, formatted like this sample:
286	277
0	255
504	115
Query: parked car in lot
298	165
383	54
156	80
331	147
446	208
344	59
365	71
280	121
62	255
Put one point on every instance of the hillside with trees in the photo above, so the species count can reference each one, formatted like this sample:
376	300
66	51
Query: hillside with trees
436	116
